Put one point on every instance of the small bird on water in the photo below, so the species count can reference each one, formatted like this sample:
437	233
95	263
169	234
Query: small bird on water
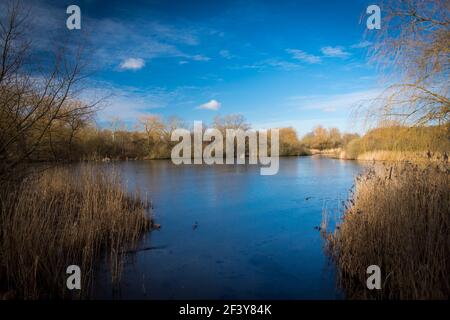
156	226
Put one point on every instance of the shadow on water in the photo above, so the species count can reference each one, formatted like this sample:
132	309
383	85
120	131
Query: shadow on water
229	233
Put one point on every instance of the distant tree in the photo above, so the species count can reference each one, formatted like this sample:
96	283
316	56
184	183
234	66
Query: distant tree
115	124
320	138
347	137
170	124
334	138
153	127
232	121
290	145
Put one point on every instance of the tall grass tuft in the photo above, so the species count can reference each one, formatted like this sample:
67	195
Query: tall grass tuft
63	217
399	219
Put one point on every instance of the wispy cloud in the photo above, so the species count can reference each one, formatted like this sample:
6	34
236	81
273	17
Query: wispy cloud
198	57
167	32
327	52
226	54
130	102
304	56
334	52
275	63
113	40
210	105
336	102
362	44
281	64
132	64
126	103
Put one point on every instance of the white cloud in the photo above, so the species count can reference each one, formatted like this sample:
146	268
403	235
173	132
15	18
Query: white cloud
226	54
210	105
132	64
304	56
362	44
334	52
200	57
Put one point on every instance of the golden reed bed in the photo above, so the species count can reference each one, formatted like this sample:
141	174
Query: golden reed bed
61	217
399	219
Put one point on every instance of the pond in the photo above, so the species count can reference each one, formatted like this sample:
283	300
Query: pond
229	233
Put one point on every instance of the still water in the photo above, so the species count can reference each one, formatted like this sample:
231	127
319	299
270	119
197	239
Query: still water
229	233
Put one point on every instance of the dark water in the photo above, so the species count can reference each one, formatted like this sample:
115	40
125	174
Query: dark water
255	237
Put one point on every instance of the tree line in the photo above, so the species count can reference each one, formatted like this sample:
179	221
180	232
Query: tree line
150	138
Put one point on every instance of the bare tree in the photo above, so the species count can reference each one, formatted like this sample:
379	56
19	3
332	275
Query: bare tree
232	121
413	46
170	125
116	124
72	120
153	127
33	96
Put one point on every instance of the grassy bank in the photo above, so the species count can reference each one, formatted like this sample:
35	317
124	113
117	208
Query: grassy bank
398	219
62	217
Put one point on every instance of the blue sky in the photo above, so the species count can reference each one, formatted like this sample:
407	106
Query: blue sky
279	63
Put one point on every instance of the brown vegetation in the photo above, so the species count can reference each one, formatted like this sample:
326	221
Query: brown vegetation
398	142
36	99
150	138
398	216
322	139
52	219
290	144
63	217
397	219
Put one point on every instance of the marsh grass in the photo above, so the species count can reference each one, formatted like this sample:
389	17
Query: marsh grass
400	143
398	218
62	217
385	155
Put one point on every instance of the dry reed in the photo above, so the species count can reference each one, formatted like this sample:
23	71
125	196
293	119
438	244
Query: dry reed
387	155
65	217
399	219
